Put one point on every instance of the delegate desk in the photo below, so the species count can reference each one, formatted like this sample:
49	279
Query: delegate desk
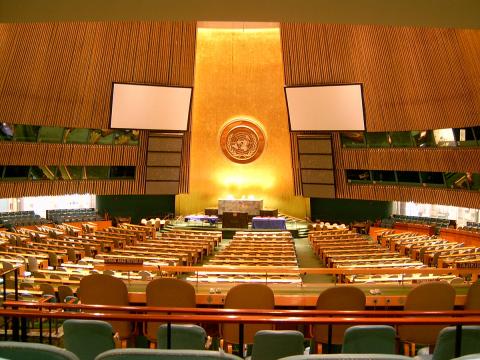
285	295
212	219
277	223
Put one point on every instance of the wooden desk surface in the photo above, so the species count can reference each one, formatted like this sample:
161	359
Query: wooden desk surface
306	296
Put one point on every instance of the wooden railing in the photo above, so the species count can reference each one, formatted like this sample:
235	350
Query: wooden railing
142	314
325	271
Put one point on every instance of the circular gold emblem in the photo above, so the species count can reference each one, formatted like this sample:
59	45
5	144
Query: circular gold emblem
242	141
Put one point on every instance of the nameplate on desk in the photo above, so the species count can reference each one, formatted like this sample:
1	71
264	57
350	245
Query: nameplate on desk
122	261
467	265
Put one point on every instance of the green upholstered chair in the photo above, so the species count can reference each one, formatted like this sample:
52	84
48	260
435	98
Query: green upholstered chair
348	357
445	345
185	337
88	338
469	357
369	339
275	344
13	350
161	354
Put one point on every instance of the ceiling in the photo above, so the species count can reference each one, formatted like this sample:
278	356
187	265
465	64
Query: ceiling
433	13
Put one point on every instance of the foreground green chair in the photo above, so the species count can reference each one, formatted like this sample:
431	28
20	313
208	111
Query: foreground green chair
275	344
469	357
445	345
348	356
369	339
185	337
13	350
88	338
160	354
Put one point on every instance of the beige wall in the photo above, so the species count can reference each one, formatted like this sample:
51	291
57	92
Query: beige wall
239	74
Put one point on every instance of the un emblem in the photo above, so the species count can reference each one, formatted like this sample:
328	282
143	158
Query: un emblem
242	141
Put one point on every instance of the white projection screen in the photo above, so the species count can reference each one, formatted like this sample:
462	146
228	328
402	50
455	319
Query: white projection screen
150	107
325	107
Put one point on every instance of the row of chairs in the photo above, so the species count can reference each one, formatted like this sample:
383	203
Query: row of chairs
59	216
431	250
94	339
171	292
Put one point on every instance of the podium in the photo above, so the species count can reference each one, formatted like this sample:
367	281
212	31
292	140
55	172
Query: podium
237	220
269	212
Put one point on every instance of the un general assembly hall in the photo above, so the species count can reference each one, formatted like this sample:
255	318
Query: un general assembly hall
261	180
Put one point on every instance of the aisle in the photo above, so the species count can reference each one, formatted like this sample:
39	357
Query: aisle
307	259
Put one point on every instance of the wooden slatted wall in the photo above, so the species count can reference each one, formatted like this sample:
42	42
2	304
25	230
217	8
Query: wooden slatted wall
405	159
440	159
67	154
414	79
61	74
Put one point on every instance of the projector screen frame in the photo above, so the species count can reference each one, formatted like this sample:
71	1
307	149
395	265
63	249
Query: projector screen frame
324	85
154	85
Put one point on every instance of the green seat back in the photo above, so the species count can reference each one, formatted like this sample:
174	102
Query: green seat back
275	344
88	338
369	339
182	337
13	350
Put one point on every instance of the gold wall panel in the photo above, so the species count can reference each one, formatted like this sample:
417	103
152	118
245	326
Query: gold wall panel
414	78
239	74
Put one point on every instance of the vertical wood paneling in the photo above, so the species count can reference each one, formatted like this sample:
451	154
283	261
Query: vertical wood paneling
297	183
62	73
414	78
454	197
433	159
68	154
183	185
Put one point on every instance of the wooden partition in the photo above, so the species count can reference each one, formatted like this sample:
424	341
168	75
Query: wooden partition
61	74
413	79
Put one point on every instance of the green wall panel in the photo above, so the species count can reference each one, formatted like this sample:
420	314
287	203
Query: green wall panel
346	210
136	206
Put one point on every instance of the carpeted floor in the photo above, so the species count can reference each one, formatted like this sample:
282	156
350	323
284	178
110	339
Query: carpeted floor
307	259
